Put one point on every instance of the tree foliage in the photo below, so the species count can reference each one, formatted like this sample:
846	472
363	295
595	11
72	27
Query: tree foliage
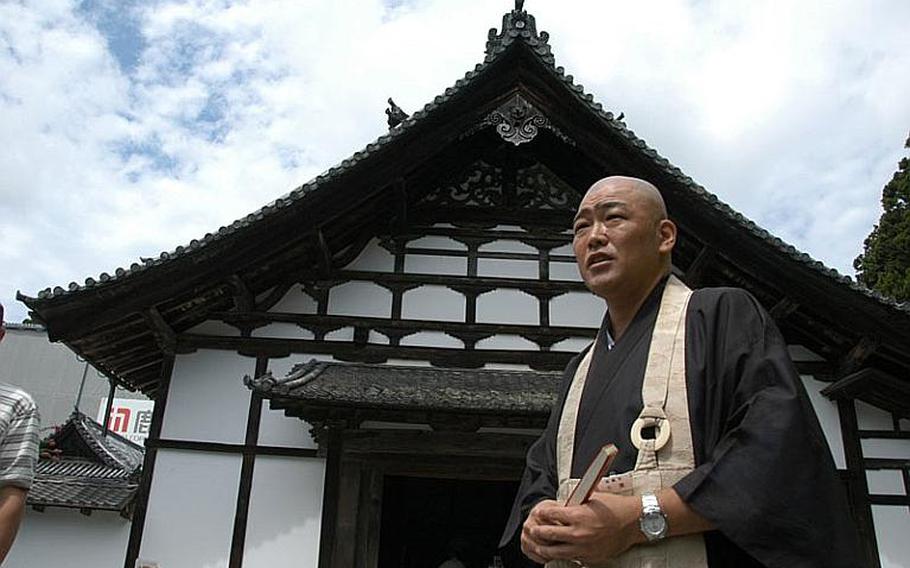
885	263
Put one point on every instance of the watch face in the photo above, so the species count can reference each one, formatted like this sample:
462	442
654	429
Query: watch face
653	524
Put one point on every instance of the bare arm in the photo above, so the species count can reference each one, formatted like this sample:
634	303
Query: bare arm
602	528
12	508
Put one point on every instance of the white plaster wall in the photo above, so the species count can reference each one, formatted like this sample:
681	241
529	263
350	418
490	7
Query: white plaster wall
507	246
879	448
408	363
892	527
431	339
190	516
432	303
296	301
216	328
572	345
360	299
283	330
428	264
373	258
435	242
828	417
508	306
52	374
515	342
207	400
579	309
276	429
377	338
885	482
508	268
342	334
285	511
66	537
565	249
869	417
507	366
564	271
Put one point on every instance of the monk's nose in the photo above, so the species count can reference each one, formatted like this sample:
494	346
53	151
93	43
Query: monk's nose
598	237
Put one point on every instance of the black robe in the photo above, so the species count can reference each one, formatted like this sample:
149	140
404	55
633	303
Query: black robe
764	474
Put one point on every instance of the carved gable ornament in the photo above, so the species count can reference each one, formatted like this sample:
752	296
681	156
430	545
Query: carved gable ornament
518	121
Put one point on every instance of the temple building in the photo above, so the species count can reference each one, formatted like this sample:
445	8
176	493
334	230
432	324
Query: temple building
351	375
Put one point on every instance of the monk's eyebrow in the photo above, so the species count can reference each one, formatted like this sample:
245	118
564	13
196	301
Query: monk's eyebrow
600	206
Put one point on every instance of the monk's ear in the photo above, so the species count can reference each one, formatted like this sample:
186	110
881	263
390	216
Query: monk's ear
667	236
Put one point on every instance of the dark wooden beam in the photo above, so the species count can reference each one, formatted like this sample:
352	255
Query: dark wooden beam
330	496
401	192
325	254
409	326
275	295
164	335
532	287
858	487
148	463
695	273
223	448
885	434
243	298
858	355
241	514
370	353
783	308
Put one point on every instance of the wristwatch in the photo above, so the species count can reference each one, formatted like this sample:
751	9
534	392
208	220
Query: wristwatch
653	521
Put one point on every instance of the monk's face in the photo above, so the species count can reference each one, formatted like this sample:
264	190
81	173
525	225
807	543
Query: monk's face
622	240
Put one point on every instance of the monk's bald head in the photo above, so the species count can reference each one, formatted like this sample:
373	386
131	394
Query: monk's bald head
644	192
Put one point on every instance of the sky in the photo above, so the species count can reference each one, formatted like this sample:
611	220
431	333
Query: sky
131	127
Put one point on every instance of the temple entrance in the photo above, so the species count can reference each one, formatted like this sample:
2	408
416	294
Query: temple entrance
423	519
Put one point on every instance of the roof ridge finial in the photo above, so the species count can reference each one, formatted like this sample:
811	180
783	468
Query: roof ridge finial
518	25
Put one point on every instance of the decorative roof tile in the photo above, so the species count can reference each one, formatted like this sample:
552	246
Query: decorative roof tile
89	471
406	387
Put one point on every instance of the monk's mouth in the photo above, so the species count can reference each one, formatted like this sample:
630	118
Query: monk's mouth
599	260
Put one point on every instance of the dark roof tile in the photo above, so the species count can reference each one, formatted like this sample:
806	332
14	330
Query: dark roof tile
427	388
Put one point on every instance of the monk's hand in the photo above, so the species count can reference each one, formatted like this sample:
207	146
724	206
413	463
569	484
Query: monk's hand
593	533
531	545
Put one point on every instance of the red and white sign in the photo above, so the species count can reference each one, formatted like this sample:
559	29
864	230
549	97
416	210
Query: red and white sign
131	418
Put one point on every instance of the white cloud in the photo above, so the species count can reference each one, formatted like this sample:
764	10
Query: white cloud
793	113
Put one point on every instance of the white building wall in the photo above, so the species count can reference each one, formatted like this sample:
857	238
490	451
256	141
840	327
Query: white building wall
276	429
828	417
207	400
190	515
892	528
285	511
58	537
579	309
892	522
432	303
51	374
373	258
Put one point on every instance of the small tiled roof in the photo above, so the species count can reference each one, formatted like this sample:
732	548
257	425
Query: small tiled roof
412	388
111	449
92	472
82	484
517	27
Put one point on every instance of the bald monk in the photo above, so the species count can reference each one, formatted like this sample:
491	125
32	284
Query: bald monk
722	461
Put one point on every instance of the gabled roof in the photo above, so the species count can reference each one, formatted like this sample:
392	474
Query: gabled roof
180	287
86	470
80	436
